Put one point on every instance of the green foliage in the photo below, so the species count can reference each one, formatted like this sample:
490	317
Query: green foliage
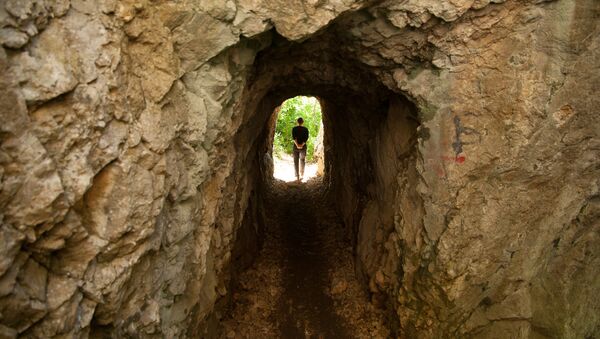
310	110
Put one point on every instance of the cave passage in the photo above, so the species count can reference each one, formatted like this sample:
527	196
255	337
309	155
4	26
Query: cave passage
305	306
321	241
302	284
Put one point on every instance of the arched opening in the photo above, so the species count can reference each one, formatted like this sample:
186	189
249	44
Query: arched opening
331	246
285	159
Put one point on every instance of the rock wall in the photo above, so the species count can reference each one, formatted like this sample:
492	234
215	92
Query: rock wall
498	181
461	142
505	171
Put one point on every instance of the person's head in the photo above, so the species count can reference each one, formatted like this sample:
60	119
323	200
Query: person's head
300	121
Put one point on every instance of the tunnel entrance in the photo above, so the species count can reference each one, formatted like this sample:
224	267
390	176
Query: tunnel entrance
329	264
309	110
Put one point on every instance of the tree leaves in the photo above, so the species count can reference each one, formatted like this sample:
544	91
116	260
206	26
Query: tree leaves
309	109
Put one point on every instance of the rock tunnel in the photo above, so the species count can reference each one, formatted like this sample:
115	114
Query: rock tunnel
461	161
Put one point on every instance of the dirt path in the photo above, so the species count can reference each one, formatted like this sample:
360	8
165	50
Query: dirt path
283	169
302	285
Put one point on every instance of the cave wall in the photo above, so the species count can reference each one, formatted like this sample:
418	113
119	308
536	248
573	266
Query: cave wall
502	183
132	137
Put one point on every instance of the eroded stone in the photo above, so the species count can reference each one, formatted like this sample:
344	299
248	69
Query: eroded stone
460	145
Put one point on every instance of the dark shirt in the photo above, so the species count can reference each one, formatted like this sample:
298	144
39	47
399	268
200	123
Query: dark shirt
300	134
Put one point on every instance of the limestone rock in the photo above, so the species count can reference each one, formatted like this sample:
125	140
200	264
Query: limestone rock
339	287
460	146
13	38
10	243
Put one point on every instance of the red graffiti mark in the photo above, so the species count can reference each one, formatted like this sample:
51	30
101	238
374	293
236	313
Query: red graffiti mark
438	166
459	159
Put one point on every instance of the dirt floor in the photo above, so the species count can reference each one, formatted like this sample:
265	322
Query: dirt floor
283	169
302	285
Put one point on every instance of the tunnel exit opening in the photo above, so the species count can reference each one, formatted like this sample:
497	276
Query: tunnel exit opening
325	257
309	158
326	247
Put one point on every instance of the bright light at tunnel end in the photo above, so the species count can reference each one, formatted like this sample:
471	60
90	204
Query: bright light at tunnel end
309	109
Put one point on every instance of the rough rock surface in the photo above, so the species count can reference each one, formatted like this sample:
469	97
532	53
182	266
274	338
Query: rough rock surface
461	143
302	283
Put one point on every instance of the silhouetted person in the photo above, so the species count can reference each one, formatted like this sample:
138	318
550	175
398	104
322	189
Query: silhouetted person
300	136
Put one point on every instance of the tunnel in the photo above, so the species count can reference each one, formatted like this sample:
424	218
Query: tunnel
459	197
369	143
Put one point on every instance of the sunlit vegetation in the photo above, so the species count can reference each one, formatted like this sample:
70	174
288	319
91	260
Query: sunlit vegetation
310	110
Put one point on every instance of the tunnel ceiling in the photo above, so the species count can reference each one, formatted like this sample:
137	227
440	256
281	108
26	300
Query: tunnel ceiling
133	135
341	55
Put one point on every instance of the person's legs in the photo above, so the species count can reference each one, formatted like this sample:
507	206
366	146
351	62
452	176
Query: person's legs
296	156
302	157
